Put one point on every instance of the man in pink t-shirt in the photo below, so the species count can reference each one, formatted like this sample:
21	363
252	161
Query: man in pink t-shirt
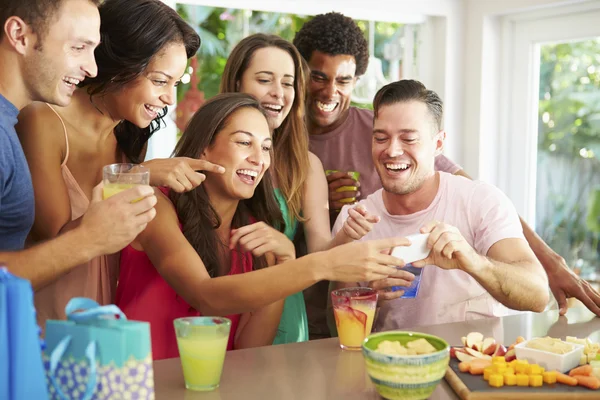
337	54
480	264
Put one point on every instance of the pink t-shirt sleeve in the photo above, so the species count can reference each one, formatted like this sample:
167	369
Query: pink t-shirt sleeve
444	164
492	217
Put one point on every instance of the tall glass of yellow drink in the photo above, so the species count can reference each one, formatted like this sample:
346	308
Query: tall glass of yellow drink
354	311
202	343
354	175
120	177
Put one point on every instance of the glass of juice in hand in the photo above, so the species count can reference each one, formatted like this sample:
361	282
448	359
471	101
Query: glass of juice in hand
202	343
354	311
354	175
120	177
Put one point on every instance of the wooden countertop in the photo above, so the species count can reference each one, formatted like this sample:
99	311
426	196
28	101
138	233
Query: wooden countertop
319	369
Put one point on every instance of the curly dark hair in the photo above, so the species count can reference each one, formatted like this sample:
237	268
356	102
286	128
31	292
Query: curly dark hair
333	33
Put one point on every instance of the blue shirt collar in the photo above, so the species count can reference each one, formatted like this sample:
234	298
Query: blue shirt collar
7	108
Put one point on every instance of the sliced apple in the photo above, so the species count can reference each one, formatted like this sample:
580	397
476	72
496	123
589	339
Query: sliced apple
453	351
510	355
474	340
500	351
464	357
489	346
477	354
464	340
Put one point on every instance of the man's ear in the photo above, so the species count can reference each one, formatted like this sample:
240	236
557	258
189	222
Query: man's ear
17	33
439	138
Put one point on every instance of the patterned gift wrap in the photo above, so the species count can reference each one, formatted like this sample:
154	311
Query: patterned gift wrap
135	380
98	354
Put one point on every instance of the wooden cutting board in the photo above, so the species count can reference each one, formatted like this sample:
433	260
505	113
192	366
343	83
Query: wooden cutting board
474	387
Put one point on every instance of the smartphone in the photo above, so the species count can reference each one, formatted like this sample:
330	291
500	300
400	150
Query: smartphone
416	251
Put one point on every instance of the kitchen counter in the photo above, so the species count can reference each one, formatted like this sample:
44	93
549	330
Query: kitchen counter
319	369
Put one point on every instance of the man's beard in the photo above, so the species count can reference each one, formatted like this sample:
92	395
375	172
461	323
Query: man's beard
407	188
412	185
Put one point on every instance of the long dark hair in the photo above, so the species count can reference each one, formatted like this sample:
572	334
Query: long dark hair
198	218
133	32
290	140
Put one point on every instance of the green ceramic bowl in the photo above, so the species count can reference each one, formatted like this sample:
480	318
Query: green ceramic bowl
405	377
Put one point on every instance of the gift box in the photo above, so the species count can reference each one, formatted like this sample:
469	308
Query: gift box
21	369
98	354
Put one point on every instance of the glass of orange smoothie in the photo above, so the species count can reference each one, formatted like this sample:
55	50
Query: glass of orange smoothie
354	311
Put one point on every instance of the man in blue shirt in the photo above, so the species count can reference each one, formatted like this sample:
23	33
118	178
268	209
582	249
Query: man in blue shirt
46	49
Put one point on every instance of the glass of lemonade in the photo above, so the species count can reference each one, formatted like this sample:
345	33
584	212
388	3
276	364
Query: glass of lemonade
354	175
120	177
202	343
354	311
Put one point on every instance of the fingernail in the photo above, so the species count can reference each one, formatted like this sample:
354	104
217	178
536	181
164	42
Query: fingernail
357	194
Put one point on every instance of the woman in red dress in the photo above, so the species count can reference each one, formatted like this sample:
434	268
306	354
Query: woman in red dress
234	130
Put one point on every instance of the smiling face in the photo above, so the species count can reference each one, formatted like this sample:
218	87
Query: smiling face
332	79
140	101
64	55
270	79
405	143
243	147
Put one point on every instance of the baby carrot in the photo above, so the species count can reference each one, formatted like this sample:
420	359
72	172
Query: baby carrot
464	366
566	379
590	382
476	369
584	370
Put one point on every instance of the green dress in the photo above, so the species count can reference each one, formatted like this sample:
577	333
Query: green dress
293	326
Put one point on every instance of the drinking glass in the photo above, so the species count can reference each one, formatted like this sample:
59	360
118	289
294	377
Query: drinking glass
202	343
354	311
120	177
354	175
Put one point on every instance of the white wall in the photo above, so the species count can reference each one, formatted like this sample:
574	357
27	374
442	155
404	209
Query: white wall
408	11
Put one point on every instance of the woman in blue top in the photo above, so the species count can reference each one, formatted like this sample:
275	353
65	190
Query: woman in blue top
271	69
